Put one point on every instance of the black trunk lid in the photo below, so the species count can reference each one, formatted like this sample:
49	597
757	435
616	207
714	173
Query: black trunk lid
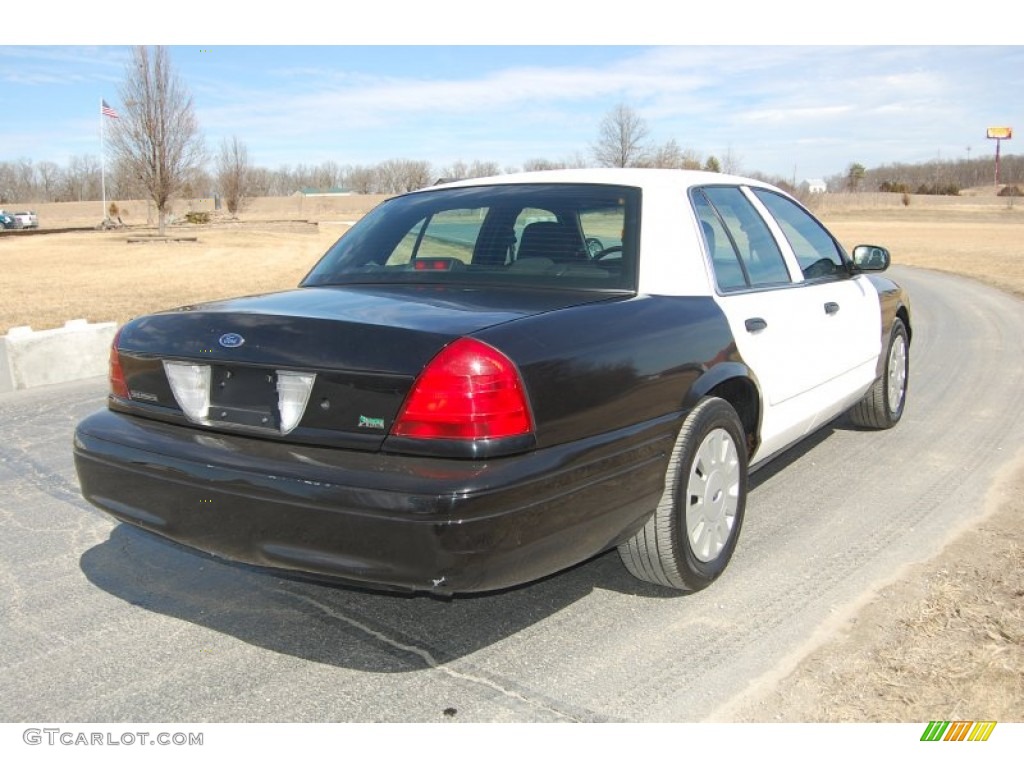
365	345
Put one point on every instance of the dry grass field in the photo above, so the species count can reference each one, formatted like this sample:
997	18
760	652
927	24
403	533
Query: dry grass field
99	275
946	640
979	236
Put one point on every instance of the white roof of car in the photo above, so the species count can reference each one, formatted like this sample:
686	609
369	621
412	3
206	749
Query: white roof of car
633	177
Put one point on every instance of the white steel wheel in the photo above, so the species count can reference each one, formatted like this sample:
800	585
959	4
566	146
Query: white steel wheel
712	495
882	405
896	375
689	539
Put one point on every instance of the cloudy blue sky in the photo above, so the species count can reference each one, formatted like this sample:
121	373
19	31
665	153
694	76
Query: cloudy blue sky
785	110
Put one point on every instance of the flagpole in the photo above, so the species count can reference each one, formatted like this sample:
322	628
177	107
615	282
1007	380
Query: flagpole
103	164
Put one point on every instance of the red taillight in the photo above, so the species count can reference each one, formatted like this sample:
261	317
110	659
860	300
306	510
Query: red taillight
118	386
469	391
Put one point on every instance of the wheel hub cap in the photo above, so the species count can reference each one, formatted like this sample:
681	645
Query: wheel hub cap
897	374
712	495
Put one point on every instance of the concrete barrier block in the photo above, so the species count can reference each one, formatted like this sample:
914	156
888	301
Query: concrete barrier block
35	358
6	375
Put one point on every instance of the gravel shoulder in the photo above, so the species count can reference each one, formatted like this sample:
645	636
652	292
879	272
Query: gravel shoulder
944	640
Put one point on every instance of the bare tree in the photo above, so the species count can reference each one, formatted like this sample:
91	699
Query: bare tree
575	160
481	168
691	160
730	162
418	174
158	135
303	177
361	179
475	170
49	174
260	182
82	180
26	174
282	181
541	164
233	173
389	176
18	181
620	140
400	175
123	183
328	175
457	170
7	183
667	155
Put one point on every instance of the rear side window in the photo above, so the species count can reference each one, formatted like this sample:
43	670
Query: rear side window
815	250
743	252
576	236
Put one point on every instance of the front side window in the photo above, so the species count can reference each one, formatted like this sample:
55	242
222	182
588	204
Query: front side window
816	251
575	236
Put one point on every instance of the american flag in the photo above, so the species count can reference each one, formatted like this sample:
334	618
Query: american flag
107	110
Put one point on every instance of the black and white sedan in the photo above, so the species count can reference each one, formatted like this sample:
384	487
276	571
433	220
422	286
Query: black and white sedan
485	382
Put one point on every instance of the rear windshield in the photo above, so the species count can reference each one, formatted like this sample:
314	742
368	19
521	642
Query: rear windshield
546	235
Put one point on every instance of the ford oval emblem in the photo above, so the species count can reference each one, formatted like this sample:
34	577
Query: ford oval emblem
231	340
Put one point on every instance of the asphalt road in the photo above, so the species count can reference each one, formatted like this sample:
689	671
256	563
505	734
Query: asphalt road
105	623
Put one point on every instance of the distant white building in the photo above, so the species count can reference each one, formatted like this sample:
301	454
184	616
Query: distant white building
816	186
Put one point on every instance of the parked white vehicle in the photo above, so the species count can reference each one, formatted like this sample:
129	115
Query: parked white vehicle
26	219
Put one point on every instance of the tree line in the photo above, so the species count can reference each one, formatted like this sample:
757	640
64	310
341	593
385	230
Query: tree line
24	181
78	180
622	143
933	177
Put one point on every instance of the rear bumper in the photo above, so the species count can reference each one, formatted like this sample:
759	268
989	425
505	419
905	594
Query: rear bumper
415	523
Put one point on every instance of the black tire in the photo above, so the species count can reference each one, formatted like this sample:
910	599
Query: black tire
882	406
668	551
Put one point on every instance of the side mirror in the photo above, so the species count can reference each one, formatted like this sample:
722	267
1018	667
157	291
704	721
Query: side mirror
871	258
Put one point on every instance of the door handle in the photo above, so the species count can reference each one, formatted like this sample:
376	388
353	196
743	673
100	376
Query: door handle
831	307
755	324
